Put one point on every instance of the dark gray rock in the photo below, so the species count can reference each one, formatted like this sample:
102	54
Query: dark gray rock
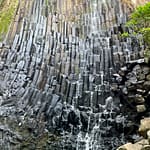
139	99
146	70
146	85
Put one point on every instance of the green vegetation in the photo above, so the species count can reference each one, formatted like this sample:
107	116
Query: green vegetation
125	35
139	23
7	12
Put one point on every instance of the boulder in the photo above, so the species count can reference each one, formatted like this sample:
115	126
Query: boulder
130	146
131	98
146	147
146	70
137	146
140	91
139	99
139	84
137	69
144	126
133	80
127	83
140	108
141	76
114	87
143	142
146	85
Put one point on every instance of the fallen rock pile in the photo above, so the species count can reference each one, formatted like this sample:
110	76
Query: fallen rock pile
144	143
134	87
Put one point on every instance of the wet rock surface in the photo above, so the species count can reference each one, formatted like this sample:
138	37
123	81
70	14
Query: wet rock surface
59	86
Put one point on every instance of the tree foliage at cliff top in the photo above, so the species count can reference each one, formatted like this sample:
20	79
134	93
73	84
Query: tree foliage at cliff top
140	22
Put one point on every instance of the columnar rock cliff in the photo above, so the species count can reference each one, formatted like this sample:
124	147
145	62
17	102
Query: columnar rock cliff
58	77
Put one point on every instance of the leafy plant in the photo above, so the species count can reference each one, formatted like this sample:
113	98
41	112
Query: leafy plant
125	35
139	24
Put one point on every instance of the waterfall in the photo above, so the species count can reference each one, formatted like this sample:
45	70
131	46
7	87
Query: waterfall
61	65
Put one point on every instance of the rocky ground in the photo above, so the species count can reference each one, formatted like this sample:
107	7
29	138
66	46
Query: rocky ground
143	141
135	94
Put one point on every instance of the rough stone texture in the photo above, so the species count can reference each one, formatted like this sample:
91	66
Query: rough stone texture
128	146
141	108
146	85
56	76
141	145
139	99
146	147
148	77
144	126
135	96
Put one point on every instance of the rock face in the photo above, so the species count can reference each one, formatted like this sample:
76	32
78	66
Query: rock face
56	76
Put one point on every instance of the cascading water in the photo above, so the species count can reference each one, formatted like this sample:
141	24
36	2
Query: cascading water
61	66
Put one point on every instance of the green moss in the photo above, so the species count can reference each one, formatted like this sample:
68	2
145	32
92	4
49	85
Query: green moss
7	12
